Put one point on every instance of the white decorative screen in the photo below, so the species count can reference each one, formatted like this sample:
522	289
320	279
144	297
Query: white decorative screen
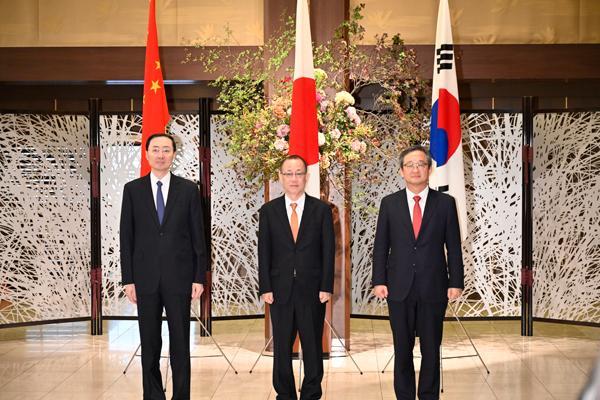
566	216
234	234
367	196
44	217
492	251
120	163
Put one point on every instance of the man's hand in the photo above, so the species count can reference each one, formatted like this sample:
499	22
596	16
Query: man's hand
380	291
454	293
324	297
130	292
268	297
197	289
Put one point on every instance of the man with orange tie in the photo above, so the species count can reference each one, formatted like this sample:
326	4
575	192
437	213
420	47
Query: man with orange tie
417	267
296	252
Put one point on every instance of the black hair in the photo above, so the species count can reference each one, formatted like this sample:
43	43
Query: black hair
157	135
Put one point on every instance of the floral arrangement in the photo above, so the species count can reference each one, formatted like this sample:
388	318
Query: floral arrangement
256	96
260	138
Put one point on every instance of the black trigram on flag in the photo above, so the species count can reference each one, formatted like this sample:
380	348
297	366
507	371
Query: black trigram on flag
444	56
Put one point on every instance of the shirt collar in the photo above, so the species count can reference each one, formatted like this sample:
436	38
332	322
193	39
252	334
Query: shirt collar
422	195
165	179
299	202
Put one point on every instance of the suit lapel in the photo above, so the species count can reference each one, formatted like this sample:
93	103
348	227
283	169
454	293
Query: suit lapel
308	209
149	199
173	192
405	213
282	215
430	205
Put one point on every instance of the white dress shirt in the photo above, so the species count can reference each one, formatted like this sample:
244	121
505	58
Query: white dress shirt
411	201
299	207
166	181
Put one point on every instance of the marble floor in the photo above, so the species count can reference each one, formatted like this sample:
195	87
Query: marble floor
62	361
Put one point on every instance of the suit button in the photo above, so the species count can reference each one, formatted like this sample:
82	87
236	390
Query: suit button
415	247
161	234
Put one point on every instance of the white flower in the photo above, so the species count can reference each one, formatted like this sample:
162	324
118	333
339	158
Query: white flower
321	138
351	113
355	145
344	97
281	144
363	147
335	134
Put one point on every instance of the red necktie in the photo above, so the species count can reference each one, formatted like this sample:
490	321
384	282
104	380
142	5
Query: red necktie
417	216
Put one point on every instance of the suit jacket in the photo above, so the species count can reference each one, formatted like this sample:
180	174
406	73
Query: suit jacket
433	260
311	258
172	254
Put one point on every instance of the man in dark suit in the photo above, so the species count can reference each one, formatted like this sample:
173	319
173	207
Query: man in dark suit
296	251
163	263
417	267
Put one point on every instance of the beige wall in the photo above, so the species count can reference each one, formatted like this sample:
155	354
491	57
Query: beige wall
123	22
487	21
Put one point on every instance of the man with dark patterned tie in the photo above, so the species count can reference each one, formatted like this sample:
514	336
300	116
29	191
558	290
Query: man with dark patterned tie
417	267
296	252
163	262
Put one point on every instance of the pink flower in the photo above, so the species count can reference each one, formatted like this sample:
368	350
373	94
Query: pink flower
258	126
363	147
319	96
335	134
355	145
283	130
281	144
324	104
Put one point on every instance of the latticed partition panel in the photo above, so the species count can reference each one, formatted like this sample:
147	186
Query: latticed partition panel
492	251
366	200
120	136
44	217
234	233
566	216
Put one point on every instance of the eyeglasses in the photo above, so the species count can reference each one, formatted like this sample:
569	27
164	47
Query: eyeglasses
419	165
293	174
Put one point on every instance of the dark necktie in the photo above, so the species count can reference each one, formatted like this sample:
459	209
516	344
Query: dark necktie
417	216
160	203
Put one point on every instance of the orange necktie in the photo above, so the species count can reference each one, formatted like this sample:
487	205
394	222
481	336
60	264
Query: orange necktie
417	216
294	221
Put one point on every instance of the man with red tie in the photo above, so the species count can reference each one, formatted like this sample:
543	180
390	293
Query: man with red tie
417	267
296	253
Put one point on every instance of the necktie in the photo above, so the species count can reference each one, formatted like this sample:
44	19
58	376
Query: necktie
417	216
160	203
294	221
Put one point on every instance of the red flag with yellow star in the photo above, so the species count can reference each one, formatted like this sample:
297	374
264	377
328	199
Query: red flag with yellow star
155	112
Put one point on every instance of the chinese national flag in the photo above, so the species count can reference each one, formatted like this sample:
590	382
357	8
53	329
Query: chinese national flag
155	113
